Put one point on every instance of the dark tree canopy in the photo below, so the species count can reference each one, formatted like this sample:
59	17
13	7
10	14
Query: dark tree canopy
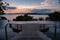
41	19
3	18
59	1
23	18
2	7
55	16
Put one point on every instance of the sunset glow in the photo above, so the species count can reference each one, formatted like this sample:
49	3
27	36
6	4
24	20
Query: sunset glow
23	5
26	7
18	11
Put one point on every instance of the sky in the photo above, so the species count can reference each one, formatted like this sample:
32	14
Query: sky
32	4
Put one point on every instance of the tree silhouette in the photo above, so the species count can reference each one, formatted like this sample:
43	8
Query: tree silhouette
41	19
23	18
4	18
2	7
55	16
58	1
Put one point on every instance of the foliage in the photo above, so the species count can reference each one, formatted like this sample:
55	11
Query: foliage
23	18
41	19
58	1
3	18
2	7
47	19
55	16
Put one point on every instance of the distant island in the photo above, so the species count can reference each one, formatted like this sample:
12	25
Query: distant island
24	18
52	17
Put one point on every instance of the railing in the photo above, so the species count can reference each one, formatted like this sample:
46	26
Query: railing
25	22
6	35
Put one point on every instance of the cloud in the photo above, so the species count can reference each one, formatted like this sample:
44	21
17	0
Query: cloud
29	11
11	7
26	7
52	4
42	11
45	3
17	11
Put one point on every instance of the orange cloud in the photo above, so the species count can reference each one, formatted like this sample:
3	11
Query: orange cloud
17	11
27	7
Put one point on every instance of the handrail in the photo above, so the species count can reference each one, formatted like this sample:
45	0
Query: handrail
25	22
6	35
55	32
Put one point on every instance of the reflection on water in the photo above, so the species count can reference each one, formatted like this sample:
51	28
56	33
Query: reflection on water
11	17
12	34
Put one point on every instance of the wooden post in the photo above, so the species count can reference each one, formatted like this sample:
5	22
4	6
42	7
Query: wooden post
6	36
55	30
54	37
17	28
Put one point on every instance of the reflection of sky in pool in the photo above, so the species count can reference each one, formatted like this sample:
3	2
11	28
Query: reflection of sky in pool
12	34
